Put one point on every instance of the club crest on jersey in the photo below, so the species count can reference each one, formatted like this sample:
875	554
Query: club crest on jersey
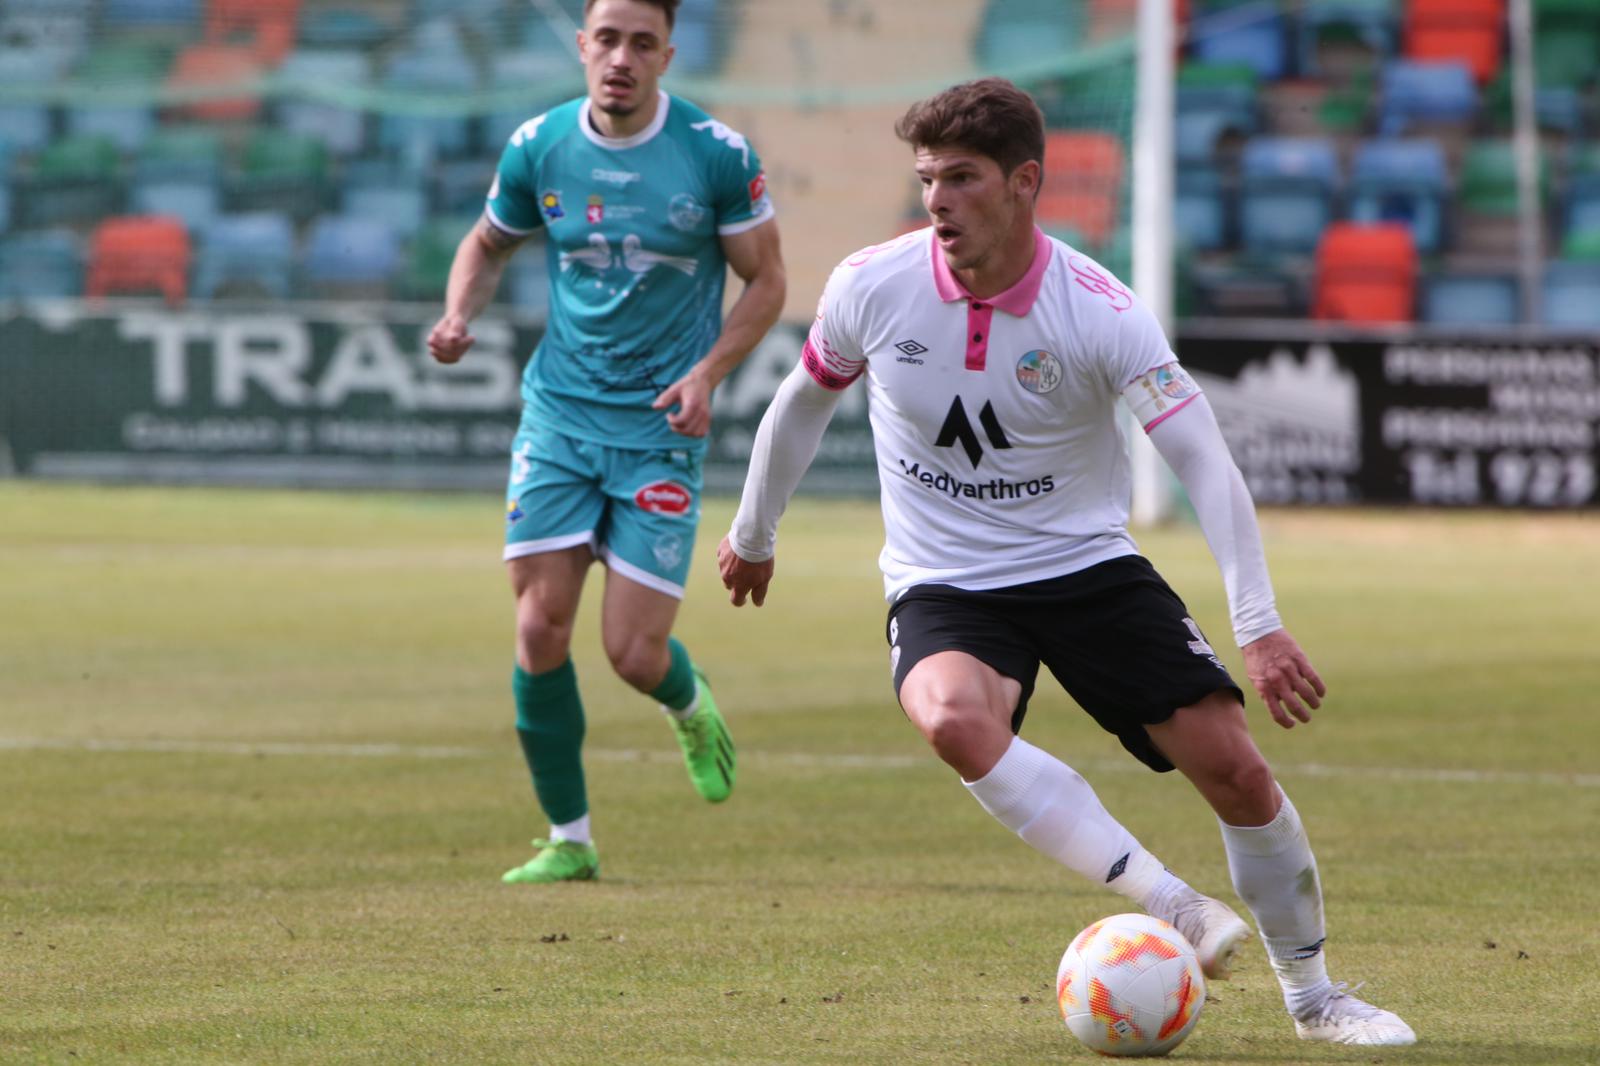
1175	382
758	187
596	211
550	204
1039	372
664	497
685	212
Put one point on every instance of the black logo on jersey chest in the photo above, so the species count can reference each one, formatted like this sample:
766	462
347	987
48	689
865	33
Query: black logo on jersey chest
957	427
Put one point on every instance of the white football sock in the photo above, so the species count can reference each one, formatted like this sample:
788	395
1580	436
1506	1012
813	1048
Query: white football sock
683	714
1049	805
1275	874
576	831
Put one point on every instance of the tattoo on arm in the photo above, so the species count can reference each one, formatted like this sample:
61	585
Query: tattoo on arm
495	237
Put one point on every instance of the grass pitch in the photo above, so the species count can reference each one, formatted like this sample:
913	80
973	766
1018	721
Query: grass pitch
260	781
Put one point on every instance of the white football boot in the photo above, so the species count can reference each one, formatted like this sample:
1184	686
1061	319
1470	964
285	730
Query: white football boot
1344	1019
1215	931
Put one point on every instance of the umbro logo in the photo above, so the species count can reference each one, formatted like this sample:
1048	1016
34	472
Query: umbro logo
911	348
1118	868
958	428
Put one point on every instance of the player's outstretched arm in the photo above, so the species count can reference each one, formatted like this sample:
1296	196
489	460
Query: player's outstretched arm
786	443
754	255
1283	677
474	276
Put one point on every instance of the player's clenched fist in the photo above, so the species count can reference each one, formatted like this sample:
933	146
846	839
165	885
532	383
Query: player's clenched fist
449	340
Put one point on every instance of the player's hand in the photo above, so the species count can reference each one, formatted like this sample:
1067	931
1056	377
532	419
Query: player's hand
743	577
449	340
1284	678
691	395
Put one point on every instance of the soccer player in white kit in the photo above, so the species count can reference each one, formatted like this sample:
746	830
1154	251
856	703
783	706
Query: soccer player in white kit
994	357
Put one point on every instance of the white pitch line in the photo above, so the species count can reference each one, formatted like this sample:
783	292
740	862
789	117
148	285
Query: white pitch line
835	761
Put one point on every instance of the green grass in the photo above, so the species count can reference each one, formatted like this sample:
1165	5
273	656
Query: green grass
259	783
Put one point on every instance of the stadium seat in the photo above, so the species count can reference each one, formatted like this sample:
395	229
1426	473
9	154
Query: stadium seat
1402	181
1566	42
396	195
1246	287
427	81
40	264
310	79
349	257
1488	176
113	66
1365	273
1468	31
181	153
527	82
1021	31
1569	295
1367	23
145	14
1287	187
1082	184
460	186
214	70
1251	33
1213	102
280	171
135	254
197	204
266	27
427	269
245	255
5	205
74	179
352	27
26	127
1200	210
127	126
1470	299
1428	93
1582	244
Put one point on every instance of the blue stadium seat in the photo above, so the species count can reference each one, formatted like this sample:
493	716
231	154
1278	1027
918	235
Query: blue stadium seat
1569	295
1251	33
460	186
26	127
1470	299
1373	23
1286	193
1559	108
40	264
350	27
1427	93
396	195
249	254
181	154
1402	181
529	81
342	128
121	14
1200	210
345	252
127	126
196	203
425	77
1582	210
1205	112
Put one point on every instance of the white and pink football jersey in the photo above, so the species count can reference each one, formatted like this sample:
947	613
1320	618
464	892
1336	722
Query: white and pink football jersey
995	421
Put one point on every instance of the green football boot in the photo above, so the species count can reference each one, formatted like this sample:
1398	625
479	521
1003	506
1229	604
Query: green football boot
707	748
557	860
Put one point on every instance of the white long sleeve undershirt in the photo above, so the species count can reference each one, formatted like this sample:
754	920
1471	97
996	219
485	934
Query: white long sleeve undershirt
786	443
1191	443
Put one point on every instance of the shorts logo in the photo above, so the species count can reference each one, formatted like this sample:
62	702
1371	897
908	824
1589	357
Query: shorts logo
550	203
894	659
894	631
1199	645
668	550
522	463
664	497
1039	372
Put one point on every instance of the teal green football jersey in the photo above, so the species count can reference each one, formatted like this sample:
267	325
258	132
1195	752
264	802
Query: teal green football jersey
633	238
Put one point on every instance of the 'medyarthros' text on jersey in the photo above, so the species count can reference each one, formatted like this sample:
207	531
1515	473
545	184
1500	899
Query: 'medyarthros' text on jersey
633	227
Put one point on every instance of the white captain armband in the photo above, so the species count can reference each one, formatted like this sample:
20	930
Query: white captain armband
1159	393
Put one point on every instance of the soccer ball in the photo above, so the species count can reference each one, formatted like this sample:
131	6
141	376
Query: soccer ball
1130	985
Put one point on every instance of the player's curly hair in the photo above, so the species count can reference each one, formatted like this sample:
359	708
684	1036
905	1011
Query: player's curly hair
668	8
989	116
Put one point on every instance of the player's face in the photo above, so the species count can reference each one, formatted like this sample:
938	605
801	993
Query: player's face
625	50
976	209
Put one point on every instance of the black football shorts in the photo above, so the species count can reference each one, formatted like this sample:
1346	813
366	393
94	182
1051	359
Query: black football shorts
1116	637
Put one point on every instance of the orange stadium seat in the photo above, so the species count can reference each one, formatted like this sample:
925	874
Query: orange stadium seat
217	66
267	27
1468	31
1366	273
137	253
1082	182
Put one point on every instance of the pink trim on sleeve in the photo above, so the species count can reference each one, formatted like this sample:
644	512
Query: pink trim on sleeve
1164	415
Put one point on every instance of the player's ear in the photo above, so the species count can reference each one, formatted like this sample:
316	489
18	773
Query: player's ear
1027	178
666	56
583	47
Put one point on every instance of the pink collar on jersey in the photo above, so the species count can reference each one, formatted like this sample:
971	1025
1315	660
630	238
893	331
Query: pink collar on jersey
1017	300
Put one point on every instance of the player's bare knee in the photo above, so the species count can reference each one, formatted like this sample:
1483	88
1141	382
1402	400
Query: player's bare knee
639	660
542	637
1248	791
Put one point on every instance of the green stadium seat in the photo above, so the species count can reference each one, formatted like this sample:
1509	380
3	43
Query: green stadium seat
1488	179
427	270
74	180
280	171
181	153
1566	42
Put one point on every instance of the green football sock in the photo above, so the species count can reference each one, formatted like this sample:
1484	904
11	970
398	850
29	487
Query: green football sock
677	688
550	726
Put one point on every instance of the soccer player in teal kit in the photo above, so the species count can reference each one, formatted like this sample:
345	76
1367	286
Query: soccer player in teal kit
644	201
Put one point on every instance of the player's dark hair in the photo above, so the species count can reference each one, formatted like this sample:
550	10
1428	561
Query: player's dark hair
989	116
668	8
